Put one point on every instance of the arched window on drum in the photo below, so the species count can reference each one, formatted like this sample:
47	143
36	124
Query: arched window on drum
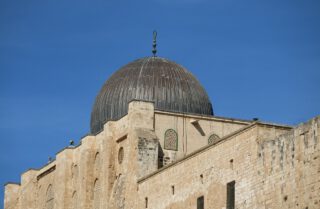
171	140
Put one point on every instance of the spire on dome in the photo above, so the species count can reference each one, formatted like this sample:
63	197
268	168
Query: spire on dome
154	44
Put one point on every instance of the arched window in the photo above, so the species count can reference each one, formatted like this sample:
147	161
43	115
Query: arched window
213	138
49	198
39	195
120	155
96	194
97	162
75	173
171	140
74	200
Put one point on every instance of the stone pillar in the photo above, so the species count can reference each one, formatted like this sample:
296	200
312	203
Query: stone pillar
86	181
108	170
27	191
148	148
141	115
11	195
63	180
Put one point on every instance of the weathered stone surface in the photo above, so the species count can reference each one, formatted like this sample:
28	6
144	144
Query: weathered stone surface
273	166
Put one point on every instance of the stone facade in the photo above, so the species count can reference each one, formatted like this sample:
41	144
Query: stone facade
126	165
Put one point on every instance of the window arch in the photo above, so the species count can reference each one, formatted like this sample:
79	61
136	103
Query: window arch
39	195
171	140
49	198
97	162
213	138
74	200
75	173
120	155
96	194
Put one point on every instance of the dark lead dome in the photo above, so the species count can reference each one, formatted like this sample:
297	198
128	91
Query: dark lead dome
170	86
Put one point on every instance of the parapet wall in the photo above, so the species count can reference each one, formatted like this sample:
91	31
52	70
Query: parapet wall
289	168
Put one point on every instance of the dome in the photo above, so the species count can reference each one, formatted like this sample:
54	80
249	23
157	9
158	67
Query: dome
170	86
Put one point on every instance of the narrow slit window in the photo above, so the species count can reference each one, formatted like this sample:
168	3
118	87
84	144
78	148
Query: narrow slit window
172	189
146	202
231	195
200	203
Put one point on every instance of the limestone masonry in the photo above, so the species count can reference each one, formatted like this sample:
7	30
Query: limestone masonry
155	143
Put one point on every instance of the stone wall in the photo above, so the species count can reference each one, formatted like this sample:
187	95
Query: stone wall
148	152
272	167
11	195
289	168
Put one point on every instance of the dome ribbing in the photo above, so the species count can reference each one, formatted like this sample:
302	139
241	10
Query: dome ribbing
170	86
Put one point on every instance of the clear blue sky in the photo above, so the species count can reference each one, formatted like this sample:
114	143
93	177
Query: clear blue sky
255	59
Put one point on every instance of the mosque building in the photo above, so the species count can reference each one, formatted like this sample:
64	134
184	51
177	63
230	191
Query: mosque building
155	143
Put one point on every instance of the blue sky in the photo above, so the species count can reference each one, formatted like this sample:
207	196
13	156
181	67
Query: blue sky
254	58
